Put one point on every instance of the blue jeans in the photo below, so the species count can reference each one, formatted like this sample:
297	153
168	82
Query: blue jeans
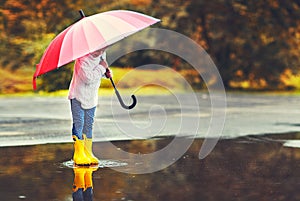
83	119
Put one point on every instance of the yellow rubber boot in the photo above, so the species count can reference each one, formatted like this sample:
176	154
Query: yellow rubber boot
79	179
88	143
79	156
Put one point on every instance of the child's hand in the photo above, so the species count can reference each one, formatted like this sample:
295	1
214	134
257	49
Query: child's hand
108	73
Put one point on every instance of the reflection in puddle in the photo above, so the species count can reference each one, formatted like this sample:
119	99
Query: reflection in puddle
83	183
237	169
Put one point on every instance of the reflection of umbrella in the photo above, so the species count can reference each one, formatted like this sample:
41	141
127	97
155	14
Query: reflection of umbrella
90	34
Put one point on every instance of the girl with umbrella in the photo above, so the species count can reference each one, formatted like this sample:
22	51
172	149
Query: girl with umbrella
83	95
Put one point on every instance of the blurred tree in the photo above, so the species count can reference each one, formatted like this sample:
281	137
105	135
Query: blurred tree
247	40
254	41
57	79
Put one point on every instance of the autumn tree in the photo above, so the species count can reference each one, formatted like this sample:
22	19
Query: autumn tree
252	41
247	40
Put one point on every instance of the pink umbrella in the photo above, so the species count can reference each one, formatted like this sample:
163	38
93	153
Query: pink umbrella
90	34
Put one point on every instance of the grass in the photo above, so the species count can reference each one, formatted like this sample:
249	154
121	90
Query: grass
290	79
139	81
15	81
127	80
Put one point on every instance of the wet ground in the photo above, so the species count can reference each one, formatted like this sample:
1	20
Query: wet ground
246	168
256	158
37	120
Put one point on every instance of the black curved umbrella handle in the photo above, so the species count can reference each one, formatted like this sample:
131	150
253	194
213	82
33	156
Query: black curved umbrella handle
121	100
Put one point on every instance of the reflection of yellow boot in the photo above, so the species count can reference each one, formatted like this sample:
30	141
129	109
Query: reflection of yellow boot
79	156
79	180
88	177
88	150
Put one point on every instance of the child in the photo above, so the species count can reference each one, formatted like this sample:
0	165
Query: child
83	95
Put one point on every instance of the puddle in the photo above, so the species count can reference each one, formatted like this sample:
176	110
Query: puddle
237	169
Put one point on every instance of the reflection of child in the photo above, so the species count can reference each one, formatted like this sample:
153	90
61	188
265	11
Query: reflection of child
83	184
83	94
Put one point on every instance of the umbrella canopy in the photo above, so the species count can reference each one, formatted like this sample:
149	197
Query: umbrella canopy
90	34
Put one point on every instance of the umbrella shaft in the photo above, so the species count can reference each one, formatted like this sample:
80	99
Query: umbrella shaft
81	13
112	82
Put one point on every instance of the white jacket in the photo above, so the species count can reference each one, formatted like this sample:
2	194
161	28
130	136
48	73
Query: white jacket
86	81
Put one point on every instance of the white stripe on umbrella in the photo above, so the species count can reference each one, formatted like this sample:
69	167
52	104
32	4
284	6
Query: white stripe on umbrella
108	28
